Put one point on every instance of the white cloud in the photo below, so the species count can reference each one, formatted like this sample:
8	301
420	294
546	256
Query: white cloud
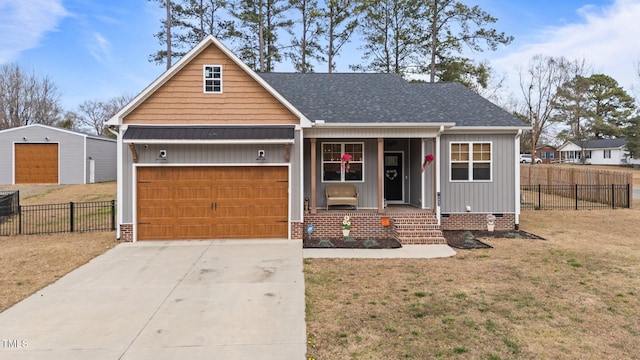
100	48
23	24
606	37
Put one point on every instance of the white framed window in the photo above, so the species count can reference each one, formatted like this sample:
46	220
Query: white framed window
470	161
333	169
607	154
212	79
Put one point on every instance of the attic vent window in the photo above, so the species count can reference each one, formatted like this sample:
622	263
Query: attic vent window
212	79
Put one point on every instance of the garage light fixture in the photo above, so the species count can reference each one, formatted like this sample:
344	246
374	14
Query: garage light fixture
261	155
24	138
46	138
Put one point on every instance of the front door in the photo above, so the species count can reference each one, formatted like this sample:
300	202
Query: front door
393	177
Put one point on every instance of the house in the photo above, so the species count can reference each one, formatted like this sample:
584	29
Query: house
547	153
214	150
597	152
41	154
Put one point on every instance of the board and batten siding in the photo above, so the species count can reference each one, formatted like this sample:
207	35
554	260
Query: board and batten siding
495	196
368	190
181	100
205	155
104	154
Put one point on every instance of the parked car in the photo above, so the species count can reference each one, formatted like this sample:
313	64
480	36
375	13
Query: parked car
526	158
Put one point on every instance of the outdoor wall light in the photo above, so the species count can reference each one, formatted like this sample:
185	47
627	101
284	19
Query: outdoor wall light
261	155
46	138
162	154
24	138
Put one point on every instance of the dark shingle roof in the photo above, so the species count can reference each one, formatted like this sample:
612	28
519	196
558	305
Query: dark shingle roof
602	144
208	133
385	98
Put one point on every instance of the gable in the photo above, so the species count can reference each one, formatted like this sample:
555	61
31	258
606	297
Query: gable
181	99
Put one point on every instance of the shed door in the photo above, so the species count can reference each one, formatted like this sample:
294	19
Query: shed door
212	203
36	163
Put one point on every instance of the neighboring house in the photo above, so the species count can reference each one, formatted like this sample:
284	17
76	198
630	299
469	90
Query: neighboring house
548	154
212	149
40	154
596	152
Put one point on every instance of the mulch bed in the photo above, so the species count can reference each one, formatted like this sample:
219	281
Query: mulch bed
350	243
471	239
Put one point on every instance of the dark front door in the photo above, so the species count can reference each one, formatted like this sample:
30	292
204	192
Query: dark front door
393	178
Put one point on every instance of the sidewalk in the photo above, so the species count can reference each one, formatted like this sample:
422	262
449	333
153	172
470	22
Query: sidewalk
406	251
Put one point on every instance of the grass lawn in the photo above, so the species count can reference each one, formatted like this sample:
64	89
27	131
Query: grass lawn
31	262
575	295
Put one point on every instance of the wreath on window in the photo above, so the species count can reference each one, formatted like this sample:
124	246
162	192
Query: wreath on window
428	159
345	159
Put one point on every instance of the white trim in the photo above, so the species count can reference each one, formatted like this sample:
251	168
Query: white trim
84	162
134	190
423	125
402	201
167	75
224	142
439	159
342	173
205	79
470	162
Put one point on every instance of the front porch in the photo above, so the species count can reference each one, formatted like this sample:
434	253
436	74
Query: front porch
404	223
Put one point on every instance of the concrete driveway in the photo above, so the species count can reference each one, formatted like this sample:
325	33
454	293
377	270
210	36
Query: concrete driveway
239	299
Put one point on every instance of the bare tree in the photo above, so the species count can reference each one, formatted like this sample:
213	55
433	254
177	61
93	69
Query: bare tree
94	113
26	99
306	46
539	84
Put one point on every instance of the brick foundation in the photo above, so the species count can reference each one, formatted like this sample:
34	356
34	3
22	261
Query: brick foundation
329	224
297	229
474	221
126	232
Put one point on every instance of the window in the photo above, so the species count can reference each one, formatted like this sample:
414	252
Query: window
332	169
587	154
471	161
213	79
607	154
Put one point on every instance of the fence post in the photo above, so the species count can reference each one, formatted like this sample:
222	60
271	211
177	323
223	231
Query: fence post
613	196
19	220
576	196
113	215
629	196
539	197
71	216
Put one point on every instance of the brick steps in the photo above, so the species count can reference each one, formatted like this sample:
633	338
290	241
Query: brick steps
418	228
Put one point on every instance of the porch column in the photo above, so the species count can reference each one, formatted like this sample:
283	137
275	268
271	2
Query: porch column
380	176
313	176
436	158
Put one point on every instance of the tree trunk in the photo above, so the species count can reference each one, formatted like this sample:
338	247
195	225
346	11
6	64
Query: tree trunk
168	6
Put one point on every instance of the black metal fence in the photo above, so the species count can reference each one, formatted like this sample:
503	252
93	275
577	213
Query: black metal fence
57	218
576	197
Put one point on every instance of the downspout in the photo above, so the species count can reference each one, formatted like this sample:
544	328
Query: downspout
517	180
119	179
438	162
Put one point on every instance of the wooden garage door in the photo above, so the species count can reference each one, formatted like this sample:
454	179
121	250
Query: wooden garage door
212	202
36	163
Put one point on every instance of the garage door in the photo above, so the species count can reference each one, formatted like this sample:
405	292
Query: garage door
212	203
36	163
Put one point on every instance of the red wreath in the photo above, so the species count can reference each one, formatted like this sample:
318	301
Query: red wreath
345	159
428	159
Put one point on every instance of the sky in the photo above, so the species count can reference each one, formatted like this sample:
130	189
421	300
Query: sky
97	49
